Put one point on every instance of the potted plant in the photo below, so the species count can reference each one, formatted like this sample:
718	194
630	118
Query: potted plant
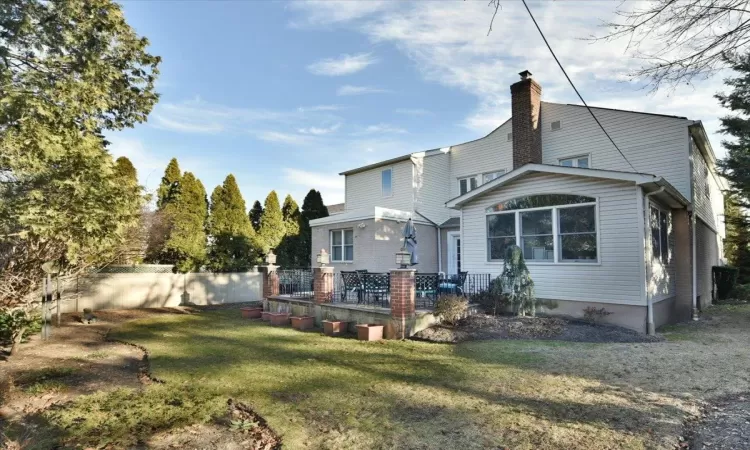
303	322
280	317
252	312
369	332
266	316
333	327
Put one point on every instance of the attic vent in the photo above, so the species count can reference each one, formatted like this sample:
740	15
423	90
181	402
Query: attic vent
510	137
556	125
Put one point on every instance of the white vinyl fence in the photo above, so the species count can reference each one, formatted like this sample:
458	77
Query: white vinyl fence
155	288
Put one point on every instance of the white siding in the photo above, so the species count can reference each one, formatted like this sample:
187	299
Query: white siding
706	255
488	154
709	209
363	189
618	278
431	186
653	144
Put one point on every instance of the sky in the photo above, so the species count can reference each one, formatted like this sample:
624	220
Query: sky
285	95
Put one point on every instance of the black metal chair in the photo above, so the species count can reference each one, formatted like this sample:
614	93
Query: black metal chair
352	283
426	286
453	284
377	285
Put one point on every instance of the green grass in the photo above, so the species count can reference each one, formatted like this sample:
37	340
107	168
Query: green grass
42	381
339	393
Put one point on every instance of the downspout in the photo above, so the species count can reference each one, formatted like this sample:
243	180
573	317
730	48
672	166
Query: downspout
695	269
650	327
440	249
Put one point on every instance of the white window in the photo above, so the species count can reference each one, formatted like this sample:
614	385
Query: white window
487	177
467	184
342	245
576	161
659	235
386	182
549	228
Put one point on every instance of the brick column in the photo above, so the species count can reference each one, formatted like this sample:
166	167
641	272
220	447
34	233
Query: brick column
322	284
270	281
403	309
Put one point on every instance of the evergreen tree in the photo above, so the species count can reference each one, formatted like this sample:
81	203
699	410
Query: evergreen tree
737	241
125	169
231	232
288	250
169	188
255	215
271	224
312	208
186	245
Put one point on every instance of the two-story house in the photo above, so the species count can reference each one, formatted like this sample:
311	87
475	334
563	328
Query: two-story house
632	226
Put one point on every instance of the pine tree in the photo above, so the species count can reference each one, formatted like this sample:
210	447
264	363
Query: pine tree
736	165
271	224
170	185
288	250
312	208
737	241
186	245
231	232
255	215
125	169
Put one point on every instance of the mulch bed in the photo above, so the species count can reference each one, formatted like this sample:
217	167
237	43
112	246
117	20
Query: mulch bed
484	327
724	426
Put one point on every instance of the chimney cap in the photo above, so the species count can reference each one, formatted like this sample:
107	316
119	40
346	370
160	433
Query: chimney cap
525	75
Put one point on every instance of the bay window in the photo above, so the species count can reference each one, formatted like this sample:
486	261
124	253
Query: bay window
342	245
551	228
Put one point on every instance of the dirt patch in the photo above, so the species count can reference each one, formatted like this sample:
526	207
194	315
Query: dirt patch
724	426
483	327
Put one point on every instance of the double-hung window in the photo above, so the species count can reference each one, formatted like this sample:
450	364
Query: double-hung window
551	228
659	235
467	184
342	245
386	182
576	161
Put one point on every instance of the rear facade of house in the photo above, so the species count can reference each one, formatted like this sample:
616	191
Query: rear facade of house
632	228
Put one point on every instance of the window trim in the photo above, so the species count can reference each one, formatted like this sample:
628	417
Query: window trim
343	245
668	214
477	177
382	192
555	234
575	159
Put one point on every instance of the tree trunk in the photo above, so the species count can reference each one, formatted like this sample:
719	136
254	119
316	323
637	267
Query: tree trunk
17	338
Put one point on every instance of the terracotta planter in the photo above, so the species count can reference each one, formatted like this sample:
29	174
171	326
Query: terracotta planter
303	322
266	316
280	318
334	327
369	332
251	312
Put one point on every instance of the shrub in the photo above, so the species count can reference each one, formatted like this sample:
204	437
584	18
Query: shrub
741	292
516	281
451	308
595	315
725	278
16	325
492	300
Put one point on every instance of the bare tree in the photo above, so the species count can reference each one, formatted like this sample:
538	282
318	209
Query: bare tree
681	40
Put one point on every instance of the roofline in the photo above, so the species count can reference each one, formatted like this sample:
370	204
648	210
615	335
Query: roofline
635	177
365	214
622	110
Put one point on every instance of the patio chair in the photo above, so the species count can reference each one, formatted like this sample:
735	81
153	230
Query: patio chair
352	283
453	284
427	288
377	285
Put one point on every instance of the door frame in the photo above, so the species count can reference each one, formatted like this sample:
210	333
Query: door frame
452	236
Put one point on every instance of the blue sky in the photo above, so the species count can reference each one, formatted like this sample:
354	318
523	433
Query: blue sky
285	95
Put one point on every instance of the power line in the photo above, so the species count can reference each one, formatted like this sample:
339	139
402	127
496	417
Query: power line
574	87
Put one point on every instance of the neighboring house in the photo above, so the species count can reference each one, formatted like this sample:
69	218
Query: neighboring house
634	233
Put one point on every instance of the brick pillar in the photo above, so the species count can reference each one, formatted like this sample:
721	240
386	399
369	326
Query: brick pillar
322	284
270	281
683	265
403	309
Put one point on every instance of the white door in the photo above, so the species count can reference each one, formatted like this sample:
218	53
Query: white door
454	252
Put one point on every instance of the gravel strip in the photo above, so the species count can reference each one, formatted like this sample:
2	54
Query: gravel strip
726	426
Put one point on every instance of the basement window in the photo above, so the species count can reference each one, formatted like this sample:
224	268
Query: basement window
556	125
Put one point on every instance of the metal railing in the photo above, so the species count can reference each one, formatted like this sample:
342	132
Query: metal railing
296	283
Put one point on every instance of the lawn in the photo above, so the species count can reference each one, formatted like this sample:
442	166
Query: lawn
339	393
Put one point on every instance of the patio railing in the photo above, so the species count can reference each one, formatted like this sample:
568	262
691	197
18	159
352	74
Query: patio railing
373	288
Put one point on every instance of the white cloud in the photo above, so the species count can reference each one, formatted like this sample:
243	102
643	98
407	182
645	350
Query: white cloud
381	128
283	138
331	185
343	65
358	90
186	125
319	131
327	12
304	109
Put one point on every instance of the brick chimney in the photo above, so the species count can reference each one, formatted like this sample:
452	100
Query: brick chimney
526	100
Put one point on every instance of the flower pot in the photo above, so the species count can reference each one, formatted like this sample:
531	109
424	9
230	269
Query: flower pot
303	322
281	318
251	312
266	316
334	327
369	332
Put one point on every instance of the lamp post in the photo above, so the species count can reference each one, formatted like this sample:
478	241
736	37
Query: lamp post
271	258
403	258
323	258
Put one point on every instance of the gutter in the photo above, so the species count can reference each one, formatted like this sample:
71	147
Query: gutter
650	327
